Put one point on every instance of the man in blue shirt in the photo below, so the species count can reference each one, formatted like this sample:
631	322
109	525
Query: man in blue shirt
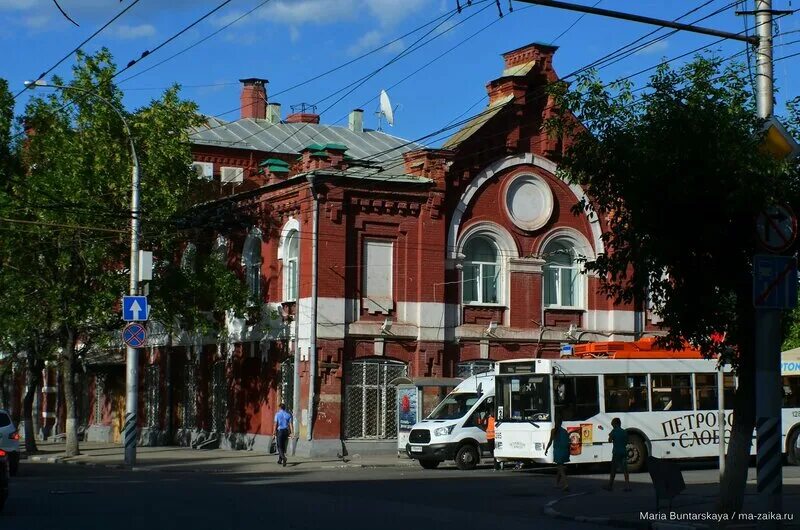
282	430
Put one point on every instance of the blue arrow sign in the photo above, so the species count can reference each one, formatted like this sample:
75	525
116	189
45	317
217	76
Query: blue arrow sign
135	308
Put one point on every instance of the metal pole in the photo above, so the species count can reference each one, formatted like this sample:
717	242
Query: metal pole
132	358
768	321
644	20
312	347
721	418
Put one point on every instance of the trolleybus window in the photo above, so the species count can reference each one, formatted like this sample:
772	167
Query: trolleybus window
523	398
577	398
626	393
671	391
791	391
705	388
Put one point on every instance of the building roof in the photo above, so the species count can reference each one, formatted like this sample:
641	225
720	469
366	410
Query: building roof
291	138
475	124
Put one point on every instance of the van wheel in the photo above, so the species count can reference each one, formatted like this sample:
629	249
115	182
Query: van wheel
430	464
637	453
467	457
791	447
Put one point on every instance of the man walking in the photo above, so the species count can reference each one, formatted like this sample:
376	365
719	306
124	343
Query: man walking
282	430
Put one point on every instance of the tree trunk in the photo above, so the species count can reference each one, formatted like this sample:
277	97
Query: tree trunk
34	378
68	374
737	460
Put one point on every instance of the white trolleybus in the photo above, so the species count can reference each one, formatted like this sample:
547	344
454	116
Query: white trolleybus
666	400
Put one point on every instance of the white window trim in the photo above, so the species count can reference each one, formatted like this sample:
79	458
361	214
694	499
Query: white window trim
291	225
507	250
287	261
582	248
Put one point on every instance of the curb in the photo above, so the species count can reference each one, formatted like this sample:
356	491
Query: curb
173	469
550	510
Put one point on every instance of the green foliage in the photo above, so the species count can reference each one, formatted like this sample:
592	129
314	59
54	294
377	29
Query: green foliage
71	180
676	178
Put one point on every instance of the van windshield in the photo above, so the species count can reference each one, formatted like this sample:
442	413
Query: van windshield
454	406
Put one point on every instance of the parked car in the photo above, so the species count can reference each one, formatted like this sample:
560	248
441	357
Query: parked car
9	441
3	478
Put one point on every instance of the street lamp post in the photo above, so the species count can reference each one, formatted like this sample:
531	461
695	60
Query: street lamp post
132	360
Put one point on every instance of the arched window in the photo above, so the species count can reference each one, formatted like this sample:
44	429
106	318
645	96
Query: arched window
481	273
291	247
189	258
563	281
251	261
220	248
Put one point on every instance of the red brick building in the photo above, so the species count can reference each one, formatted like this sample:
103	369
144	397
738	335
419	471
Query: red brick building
428	263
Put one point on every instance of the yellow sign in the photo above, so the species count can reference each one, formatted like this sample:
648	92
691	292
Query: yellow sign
587	433
778	142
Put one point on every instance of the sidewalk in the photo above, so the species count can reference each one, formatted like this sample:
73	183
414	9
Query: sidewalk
187	460
694	508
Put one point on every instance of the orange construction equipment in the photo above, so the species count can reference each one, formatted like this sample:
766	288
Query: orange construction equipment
640	349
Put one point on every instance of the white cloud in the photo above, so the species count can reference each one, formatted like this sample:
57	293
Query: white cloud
36	21
294	34
135	32
656	47
373	39
389	12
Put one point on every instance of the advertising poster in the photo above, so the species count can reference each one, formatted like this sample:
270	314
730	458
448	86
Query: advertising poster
587	436
575	447
407	408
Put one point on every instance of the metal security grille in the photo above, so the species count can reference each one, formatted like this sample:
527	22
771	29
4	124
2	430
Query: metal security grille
152	396
370	401
99	396
287	383
219	397
189	395
468	368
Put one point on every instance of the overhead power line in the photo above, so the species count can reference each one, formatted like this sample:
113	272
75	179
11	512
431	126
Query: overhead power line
147	53
79	46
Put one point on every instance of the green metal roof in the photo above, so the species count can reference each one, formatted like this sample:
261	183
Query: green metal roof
278	169
312	147
273	162
335	147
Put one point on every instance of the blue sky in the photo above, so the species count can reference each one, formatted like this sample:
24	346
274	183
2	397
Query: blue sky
289	41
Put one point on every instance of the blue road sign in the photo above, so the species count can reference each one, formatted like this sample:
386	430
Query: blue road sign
135	308
774	282
134	335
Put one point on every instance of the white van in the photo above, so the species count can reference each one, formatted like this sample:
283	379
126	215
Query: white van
452	431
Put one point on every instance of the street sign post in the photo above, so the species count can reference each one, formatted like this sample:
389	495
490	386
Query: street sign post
135	335
774	289
135	308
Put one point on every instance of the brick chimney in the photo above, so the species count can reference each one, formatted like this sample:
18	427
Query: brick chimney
521	65
253	99
302	117
428	163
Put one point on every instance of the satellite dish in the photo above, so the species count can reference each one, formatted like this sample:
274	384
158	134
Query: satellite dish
386	108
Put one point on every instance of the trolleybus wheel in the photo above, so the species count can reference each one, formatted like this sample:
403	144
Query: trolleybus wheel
791	447
637	453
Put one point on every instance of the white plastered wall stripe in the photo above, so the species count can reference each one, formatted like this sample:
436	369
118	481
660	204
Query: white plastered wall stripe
487	173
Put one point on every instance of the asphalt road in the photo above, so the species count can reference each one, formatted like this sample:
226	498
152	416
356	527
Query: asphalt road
58	496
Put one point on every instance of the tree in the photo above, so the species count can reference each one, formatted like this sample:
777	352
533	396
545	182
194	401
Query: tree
677	178
74	199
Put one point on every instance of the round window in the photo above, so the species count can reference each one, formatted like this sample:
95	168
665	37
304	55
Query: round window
529	202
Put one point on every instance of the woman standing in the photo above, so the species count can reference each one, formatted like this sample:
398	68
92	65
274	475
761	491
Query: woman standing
559	439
